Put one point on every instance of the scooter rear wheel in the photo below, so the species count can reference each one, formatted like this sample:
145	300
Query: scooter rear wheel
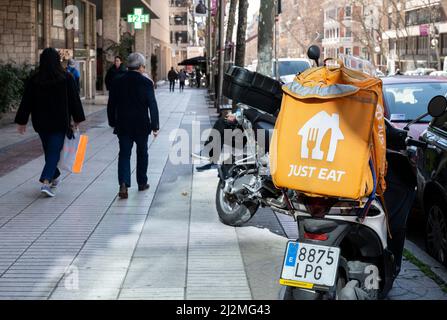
230	212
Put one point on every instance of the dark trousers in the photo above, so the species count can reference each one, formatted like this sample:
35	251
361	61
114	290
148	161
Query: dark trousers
126	143
182	85
171	85
220	126
399	198
52	144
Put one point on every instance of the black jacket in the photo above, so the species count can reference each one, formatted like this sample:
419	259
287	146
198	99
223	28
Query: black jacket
112	73
172	75
50	104
130	99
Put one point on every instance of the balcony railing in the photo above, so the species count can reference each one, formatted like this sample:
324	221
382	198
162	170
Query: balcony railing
340	40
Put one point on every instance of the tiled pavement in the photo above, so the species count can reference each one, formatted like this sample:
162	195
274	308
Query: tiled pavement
166	243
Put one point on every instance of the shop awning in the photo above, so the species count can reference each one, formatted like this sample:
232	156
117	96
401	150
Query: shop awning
193	61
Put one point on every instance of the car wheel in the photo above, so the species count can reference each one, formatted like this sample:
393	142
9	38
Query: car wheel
436	231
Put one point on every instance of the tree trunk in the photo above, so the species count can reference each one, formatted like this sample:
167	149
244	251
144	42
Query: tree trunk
230	29
231	20
241	33
265	37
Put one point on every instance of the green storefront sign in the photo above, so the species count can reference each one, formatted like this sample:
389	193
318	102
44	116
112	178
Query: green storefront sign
138	18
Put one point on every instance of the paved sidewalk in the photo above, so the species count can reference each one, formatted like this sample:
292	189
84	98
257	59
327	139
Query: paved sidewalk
166	243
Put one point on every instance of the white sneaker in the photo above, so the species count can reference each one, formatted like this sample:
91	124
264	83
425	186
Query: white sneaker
46	190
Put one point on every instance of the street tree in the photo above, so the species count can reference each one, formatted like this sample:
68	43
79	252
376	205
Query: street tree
241	33
230	29
266	27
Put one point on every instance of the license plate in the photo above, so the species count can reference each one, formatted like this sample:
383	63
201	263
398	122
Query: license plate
306	265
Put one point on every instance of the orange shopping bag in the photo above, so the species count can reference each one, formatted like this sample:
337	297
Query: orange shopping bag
73	153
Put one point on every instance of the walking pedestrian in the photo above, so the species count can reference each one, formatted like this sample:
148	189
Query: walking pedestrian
71	67
51	98
198	78
172	76
182	78
116	70
131	97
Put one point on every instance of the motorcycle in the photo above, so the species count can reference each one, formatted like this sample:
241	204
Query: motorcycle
341	252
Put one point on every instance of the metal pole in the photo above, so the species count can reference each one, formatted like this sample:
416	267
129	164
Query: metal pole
276	42
210	54
221	52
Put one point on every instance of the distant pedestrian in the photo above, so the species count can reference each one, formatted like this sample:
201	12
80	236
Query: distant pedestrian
198	78
71	67
131	97
172	76
51	98
116	70
182	76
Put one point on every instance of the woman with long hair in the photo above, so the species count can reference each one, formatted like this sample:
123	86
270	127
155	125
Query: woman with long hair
51	98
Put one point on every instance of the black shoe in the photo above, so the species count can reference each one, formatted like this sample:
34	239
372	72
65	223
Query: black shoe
143	187
123	191
207	166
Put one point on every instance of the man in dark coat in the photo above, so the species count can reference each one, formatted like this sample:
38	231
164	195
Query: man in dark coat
172	76
131	100
116	70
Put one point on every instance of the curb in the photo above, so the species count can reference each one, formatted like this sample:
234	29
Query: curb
425	258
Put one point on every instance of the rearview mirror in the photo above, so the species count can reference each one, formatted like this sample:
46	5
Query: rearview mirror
437	106
314	53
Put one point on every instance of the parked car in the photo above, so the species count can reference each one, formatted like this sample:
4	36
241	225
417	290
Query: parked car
288	68
420	72
432	186
407	97
439	74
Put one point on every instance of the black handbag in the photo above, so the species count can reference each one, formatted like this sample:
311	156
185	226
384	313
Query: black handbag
70	131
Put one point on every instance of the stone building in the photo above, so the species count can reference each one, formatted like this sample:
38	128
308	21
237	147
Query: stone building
29	26
84	30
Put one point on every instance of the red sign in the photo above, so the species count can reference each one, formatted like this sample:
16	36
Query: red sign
424	30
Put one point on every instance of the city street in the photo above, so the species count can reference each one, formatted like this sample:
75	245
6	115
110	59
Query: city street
165	243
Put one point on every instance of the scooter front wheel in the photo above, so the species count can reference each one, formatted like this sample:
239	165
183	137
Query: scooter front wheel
230	211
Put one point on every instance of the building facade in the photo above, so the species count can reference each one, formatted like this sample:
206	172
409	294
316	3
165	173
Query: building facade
415	33
181	29
353	28
29	26
91	32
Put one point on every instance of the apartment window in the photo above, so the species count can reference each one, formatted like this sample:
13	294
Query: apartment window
348	32
179	37
57	11
79	38
444	44
348	51
412	45
179	19
424	15
401	46
92	24
422	45
348	12
40	20
57	24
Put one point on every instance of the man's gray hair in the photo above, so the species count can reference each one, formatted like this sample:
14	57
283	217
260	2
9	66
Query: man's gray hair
136	60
